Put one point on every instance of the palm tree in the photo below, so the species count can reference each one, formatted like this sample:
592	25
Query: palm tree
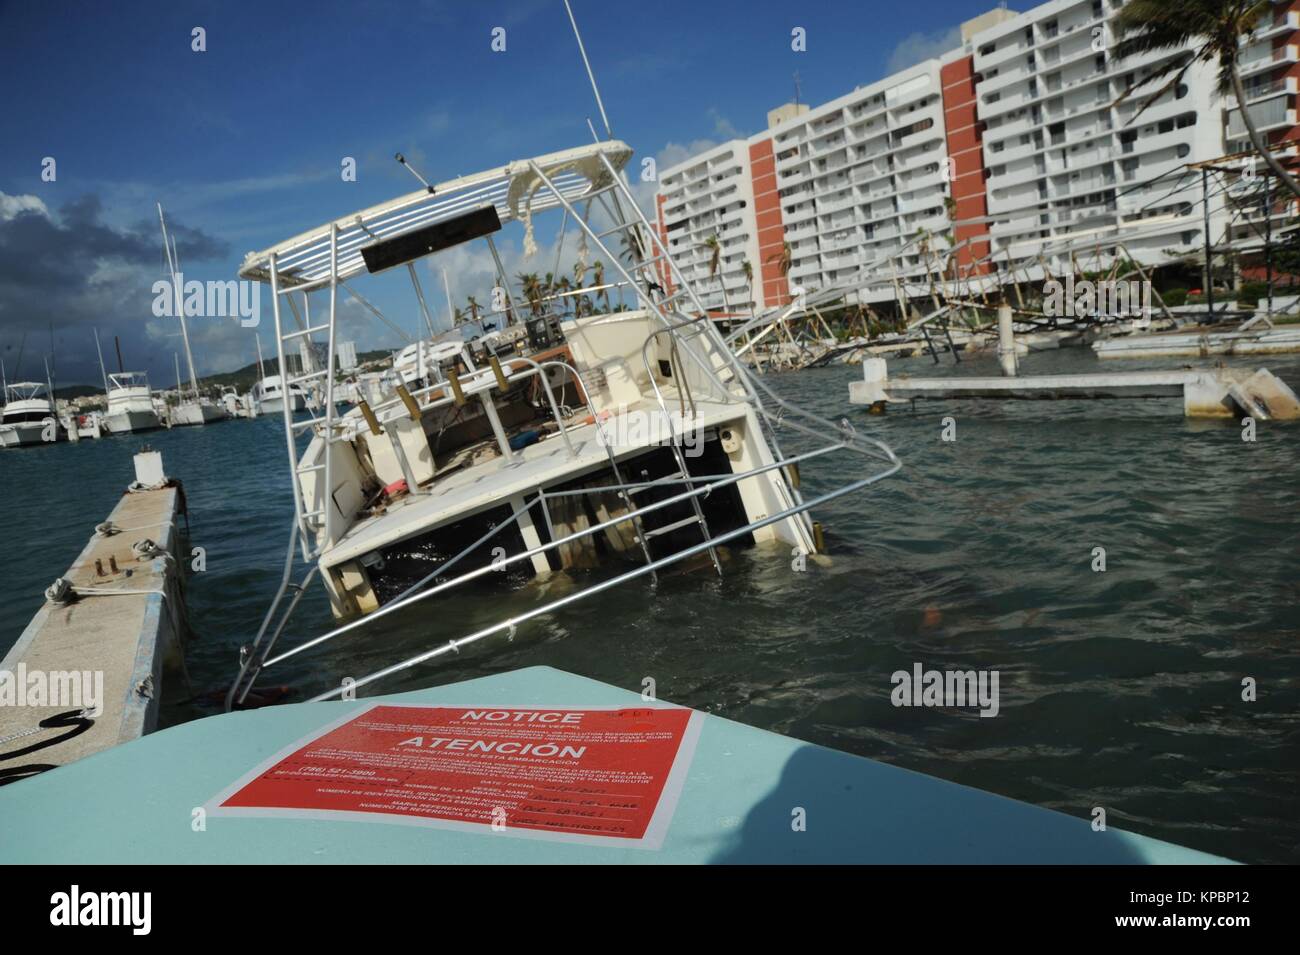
473	308
532	286
598	277
564	286
714	248
633	243
749	283
457	317
784	260
1212	31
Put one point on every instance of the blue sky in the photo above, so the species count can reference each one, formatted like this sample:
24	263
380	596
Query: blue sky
243	143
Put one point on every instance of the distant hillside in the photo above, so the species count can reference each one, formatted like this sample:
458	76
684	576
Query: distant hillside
246	377
69	392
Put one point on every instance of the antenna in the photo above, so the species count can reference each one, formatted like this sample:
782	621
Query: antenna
609	133
796	87
117	343
49	369
402	159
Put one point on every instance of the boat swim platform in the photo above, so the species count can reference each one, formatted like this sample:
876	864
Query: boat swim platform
1206	393
105	645
137	803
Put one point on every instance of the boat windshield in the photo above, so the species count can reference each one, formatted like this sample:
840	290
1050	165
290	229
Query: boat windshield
128	379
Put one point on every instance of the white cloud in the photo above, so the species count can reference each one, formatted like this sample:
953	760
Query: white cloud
916	47
10	206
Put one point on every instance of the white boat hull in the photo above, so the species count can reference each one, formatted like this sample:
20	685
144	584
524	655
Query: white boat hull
127	422
28	433
195	414
276	405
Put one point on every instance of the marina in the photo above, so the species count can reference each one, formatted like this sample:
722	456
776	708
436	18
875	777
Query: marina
772	499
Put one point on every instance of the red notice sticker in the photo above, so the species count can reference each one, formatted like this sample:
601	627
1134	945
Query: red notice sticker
598	775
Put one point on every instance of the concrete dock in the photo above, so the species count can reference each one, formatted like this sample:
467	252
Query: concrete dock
86	674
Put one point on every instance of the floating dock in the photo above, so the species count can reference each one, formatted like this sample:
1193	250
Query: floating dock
1253	341
1206	393
739	795
86	674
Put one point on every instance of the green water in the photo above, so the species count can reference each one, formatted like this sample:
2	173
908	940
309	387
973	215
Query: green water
1119	689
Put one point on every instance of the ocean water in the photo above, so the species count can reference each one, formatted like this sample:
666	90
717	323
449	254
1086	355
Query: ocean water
1120	689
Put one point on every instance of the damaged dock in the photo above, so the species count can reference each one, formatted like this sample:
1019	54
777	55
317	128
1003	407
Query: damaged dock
86	674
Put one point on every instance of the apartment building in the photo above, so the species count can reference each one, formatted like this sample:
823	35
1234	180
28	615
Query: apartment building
1270	74
1010	152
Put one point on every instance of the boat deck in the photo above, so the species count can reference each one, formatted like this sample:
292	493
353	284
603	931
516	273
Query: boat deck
463	492
136	803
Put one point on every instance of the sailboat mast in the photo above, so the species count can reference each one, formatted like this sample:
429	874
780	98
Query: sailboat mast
261	365
49	373
173	263
179	394
102	370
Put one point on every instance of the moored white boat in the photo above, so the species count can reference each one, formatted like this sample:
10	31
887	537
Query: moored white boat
268	396
195	412
130	405
29	417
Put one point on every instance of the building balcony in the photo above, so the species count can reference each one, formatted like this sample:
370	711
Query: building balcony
1258	91
1267	114
1289	22
1258	58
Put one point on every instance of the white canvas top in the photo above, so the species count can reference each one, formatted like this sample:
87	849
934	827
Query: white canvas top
513	189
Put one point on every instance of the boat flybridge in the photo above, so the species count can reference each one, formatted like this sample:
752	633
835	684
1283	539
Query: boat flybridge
29	417
130	404
630	439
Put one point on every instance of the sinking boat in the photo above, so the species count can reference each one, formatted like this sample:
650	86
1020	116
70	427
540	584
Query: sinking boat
625	441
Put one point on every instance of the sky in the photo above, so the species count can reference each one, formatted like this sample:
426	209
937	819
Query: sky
243	143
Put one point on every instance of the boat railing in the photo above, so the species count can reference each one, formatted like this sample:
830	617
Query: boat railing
258	657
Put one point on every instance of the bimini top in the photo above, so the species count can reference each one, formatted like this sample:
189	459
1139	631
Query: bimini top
127	379
24	390
514	191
